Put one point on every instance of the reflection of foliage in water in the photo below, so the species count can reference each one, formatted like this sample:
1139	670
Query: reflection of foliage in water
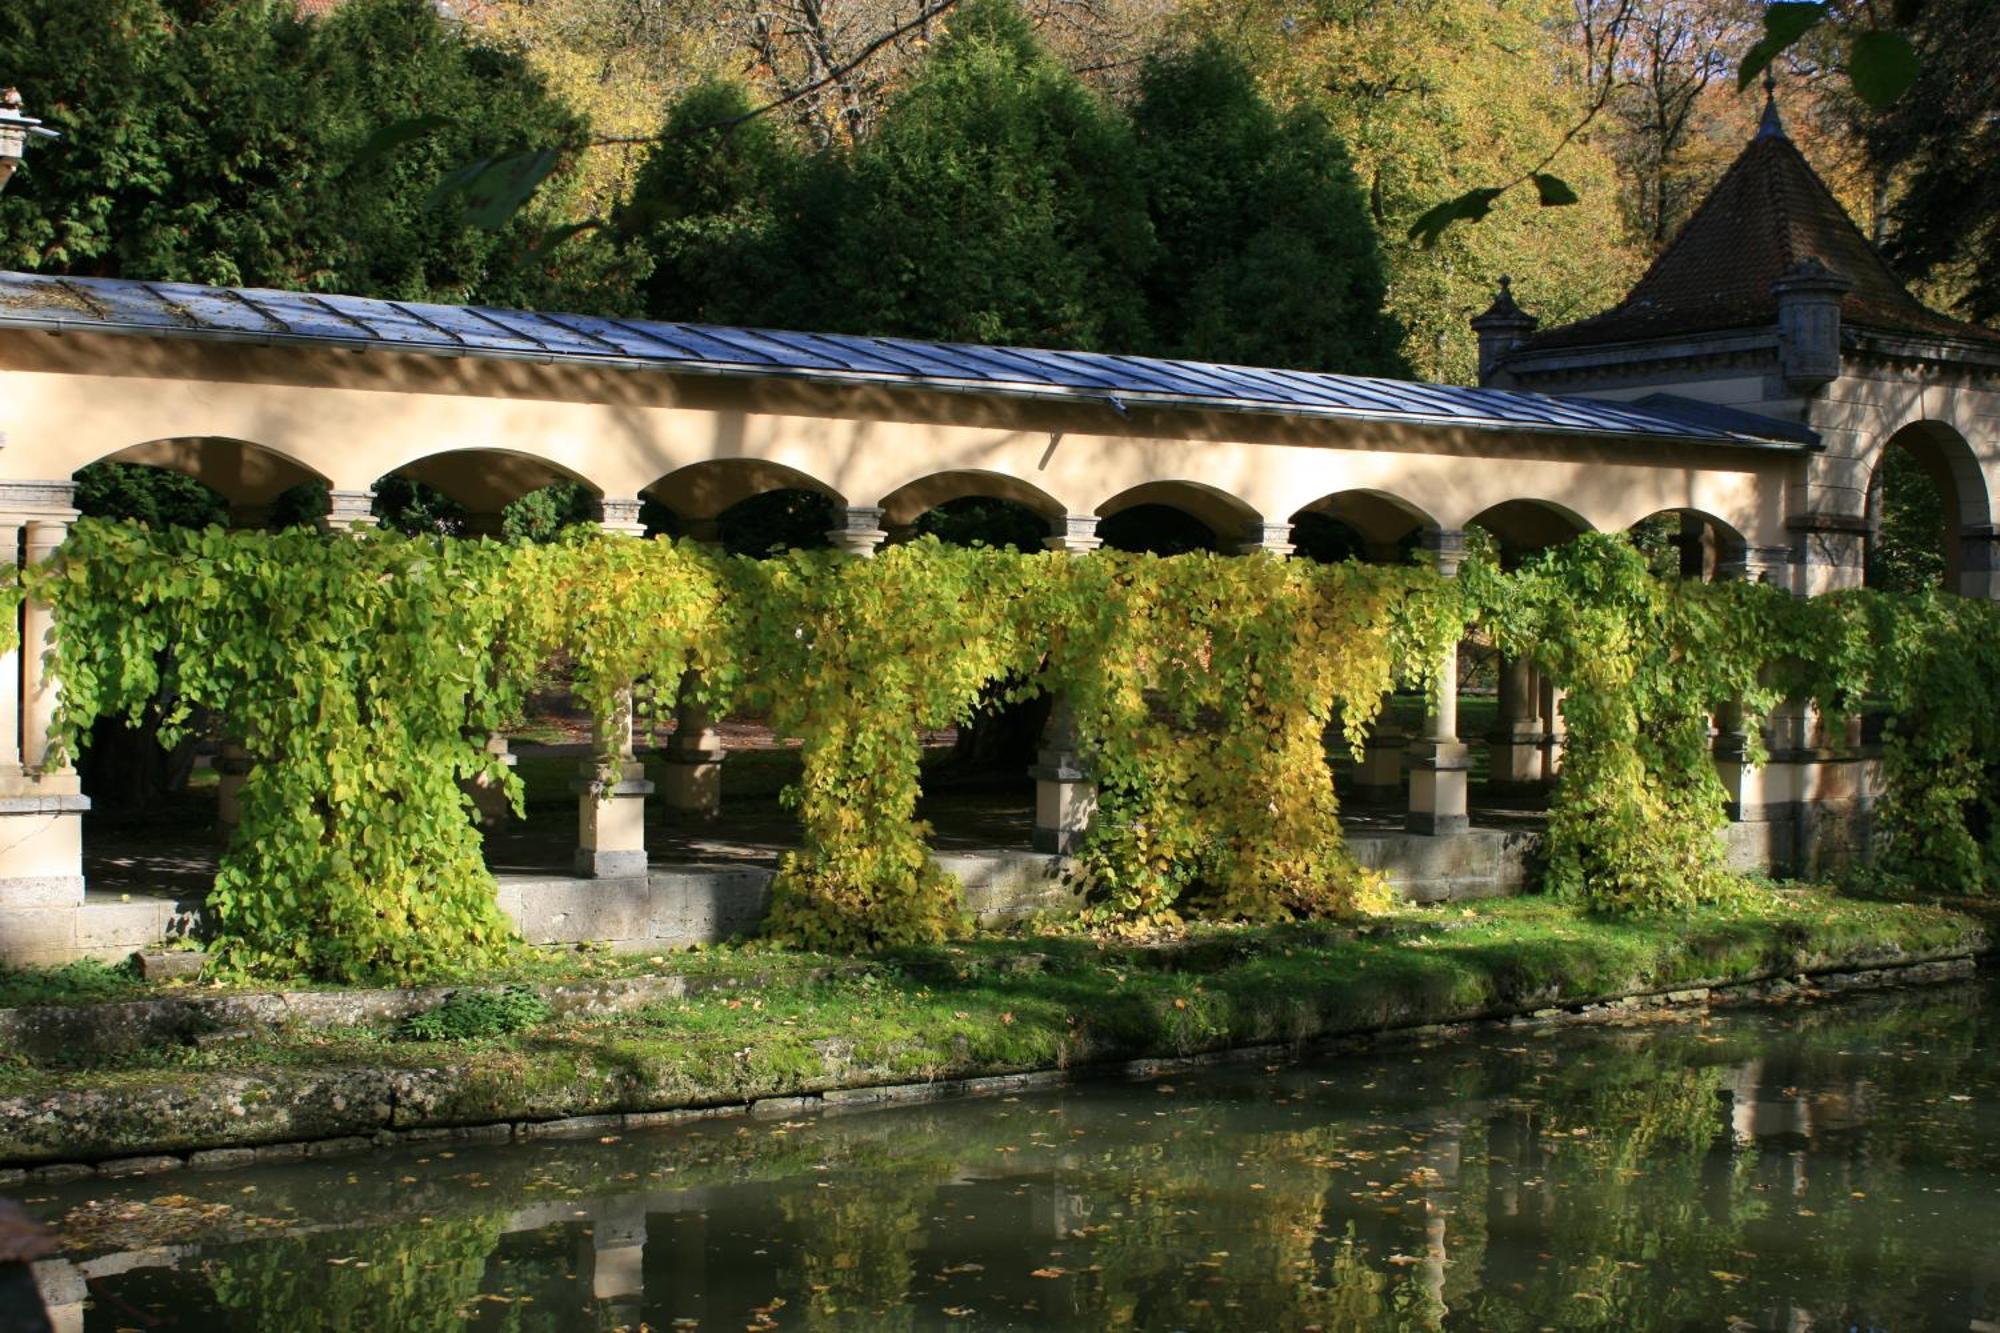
853	1264
410	1278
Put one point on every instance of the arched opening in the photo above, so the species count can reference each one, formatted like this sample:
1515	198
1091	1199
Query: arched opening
1687	544
1173	518
153	823
1506	701
1523	527
1929	515
483	492
195	481
745	505
1371	527
972	509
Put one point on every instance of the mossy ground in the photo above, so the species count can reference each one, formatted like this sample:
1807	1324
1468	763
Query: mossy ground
784	1022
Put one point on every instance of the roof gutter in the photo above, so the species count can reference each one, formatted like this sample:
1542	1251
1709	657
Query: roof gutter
1116	400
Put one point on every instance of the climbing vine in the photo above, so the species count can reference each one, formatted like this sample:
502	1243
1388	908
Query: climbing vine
1202	689
854	656
1646	663
365	674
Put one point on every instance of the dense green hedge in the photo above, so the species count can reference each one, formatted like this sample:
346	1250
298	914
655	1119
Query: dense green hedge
364	675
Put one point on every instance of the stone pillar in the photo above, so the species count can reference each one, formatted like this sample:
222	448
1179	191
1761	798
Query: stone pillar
1979	562
232	766
1556	729
1065	796
1274	538
1829	552
41	802
611	805
620	515
857	530
691	781
348	510
1438	762
1379	778
489	797
1518	737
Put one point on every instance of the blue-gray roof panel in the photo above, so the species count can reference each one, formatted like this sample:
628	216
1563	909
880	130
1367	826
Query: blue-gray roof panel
184	310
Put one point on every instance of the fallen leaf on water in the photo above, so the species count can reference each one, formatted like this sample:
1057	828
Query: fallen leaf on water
1049	1272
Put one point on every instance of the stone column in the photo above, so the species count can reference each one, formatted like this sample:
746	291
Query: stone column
232	766
1379	778
348	510
41	802
1275	538
857	530
691	782
1518	737
620	515
611	804
1979	563
489	797
1554	737
10	668
1065	796
1829	552
1438	762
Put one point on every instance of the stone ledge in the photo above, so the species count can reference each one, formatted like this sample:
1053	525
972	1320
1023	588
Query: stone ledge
367	1108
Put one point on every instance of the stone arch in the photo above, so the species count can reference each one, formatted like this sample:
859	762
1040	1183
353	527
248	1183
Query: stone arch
1968	537
246	474
1706	547
701	491
486	481
1226	518
1372	526
1525	526
902	505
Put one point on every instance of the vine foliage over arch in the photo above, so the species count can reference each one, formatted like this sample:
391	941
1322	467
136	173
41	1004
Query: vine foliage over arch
365	674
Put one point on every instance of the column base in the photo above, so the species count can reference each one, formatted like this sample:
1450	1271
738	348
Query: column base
691	783
41	877
1437	789
1065	803
611	822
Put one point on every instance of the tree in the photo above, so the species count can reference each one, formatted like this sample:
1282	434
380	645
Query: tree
997	203
226	141
1946	133
705	209
1432	97
1267	253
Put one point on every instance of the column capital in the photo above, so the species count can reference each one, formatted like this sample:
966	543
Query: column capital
1447	547
620	514
23	501
1757	564
1074	533
1275	538
857	529
347	510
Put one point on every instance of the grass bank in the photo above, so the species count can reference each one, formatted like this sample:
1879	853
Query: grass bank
731	1027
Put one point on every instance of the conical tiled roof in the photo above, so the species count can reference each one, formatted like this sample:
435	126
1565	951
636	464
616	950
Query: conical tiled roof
1769	211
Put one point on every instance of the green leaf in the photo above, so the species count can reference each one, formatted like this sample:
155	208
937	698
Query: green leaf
492	189
551	240
393	136
1784	24
1472	206
1553	191
1881	65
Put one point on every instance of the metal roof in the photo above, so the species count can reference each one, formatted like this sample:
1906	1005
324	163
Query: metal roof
275	318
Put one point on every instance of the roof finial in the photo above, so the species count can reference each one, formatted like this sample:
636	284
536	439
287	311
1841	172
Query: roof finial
1772	126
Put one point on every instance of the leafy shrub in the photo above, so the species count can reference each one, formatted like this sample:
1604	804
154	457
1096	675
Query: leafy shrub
469	1015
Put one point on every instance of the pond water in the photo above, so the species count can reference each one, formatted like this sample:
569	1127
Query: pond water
1825	1166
